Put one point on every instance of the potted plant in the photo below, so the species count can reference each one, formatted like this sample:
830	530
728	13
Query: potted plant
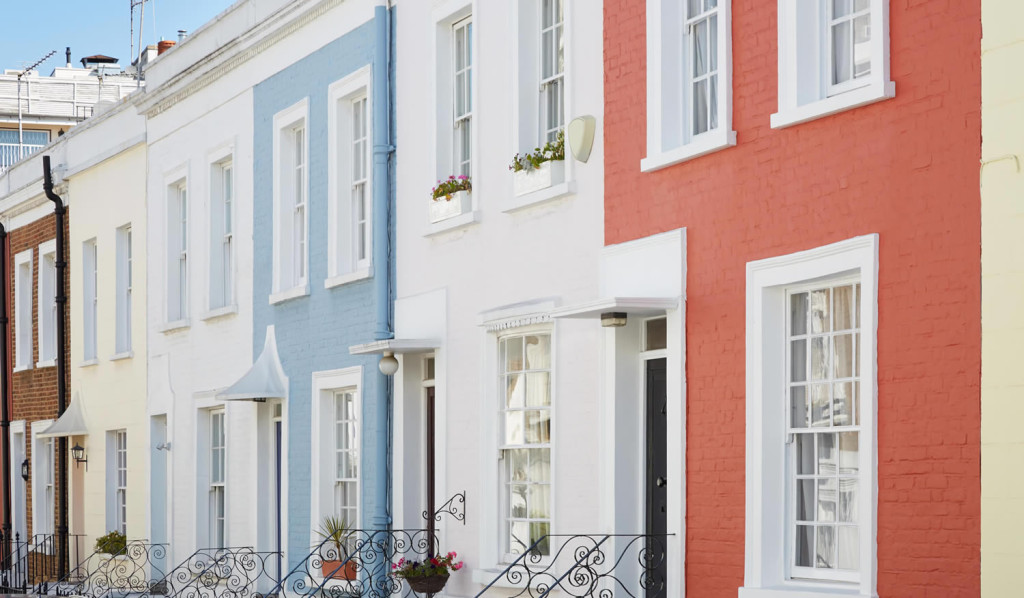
335	531
450	197
540	169
428	576
114	543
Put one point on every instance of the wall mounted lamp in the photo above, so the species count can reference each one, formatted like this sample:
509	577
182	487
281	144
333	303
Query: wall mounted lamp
79	454
581	137
388	364
24	470
163	446
613	319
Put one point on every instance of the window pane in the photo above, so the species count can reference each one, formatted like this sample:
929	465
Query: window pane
538	393
819	405
538	427
841	47
517	501
843	298
540	498
840	8
700	48
842	357
827	500
656	334
693	8
804	545
861	46
514	427
825	548
540	465
843	404
538	352
849	453
514	391
820	309
800	415
805	500
819	358
826	454
798	361
700	107
538	531
514	354
713	44
848	500
849	548
804	454
517	465
519	537
713	101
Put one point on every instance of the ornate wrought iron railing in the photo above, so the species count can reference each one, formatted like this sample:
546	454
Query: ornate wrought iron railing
101	575
219	573
360	566
587	565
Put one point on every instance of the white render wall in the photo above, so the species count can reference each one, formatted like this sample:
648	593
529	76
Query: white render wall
449	283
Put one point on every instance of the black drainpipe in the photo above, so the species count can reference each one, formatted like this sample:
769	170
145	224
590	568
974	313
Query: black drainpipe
62	392
5	416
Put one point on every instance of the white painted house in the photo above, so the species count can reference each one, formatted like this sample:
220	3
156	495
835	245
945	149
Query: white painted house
539	410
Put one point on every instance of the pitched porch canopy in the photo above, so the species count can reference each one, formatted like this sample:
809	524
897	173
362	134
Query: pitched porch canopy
70	423
264	380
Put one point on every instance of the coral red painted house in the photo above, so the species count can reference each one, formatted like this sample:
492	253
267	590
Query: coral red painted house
824	166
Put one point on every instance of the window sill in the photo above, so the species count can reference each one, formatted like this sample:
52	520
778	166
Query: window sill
88	363
706	144
21	368
175	325
123	355
486	576
219	312
855	98
49	363
343	279
451	224
280	297
796	591
551	193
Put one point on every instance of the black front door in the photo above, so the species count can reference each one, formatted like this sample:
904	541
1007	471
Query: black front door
657	475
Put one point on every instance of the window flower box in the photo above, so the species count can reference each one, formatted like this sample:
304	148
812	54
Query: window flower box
548	174
442	208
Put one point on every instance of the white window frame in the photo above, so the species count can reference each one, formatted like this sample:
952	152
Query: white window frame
290	269
214	486
125	282
46	305
117	480
23	311
223	244
178	244
503	447
461	163
90	301
343	262
767	574
670	137
43	455
805	90
325	386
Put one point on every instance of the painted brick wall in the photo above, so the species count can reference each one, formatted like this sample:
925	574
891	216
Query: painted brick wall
33	392
314	333
906	169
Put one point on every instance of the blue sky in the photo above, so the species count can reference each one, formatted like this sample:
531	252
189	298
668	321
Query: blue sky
34	27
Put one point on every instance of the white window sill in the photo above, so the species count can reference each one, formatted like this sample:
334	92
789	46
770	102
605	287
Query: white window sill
855	98
460	221
49	363
21	368
486	576
88	363
796	591
281	296
342	279
701	146
551	193
220	312
175	325
123	355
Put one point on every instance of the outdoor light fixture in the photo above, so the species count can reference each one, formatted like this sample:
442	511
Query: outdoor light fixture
388	364
581	137
613	319
24	470
79	454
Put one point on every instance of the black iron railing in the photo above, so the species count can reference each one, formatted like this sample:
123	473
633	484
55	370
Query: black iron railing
31	564
360	566
219	573
101	575
587	565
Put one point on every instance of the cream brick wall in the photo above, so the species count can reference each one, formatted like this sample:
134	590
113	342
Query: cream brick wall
1002	313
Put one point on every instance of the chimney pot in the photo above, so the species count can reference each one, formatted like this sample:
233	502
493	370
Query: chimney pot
182	34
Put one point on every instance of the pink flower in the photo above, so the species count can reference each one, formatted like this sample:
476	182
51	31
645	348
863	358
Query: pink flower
393	567
457	566
463	177
451	554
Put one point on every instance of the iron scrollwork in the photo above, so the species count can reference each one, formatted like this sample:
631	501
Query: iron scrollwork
101	575
454	506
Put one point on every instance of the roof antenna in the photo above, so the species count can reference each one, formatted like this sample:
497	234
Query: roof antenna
21	133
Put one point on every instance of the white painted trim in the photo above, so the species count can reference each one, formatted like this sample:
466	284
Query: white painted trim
30	215
290	116
120	356
548	194
708	143
452	224
862	96
337	281
39	515
175	325
357	83
21	361
765	535
220	312
292	293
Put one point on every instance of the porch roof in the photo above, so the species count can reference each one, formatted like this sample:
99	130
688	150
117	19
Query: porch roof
640	306
70	423
264	380
395	346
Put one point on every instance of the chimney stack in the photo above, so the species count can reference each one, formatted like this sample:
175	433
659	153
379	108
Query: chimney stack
67	55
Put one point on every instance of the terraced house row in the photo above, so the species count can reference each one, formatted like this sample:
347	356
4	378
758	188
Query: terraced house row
664	298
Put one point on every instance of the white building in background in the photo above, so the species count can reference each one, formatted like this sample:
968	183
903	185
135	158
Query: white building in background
523	376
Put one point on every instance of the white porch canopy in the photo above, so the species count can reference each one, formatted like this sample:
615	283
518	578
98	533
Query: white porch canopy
264	380
70	423
395	346
639	306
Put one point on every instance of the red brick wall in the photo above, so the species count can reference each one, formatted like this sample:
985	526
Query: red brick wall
33	391
906	169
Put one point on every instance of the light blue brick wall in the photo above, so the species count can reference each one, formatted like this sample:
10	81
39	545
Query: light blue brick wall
313	332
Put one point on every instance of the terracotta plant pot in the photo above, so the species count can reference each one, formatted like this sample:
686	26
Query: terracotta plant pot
334	570
427	585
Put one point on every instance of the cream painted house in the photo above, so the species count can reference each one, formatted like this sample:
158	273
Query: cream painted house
108	346
1002	316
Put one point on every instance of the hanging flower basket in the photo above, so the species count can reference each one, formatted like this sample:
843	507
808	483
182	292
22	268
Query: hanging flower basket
427	585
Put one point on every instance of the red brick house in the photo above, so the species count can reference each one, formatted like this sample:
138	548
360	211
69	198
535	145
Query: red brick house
825	170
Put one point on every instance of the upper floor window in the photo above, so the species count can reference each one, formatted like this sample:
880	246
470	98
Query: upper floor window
689	80
23	310
90	300
47	308
124	290
350	203
222	234
552	83
833	56
291	148
177	252
525	382
462	68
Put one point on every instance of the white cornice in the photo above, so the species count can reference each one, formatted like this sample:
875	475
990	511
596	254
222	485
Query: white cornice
233	54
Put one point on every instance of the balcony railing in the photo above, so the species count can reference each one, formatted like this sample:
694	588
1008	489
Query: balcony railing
31	565
585	566
133	570
11	153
